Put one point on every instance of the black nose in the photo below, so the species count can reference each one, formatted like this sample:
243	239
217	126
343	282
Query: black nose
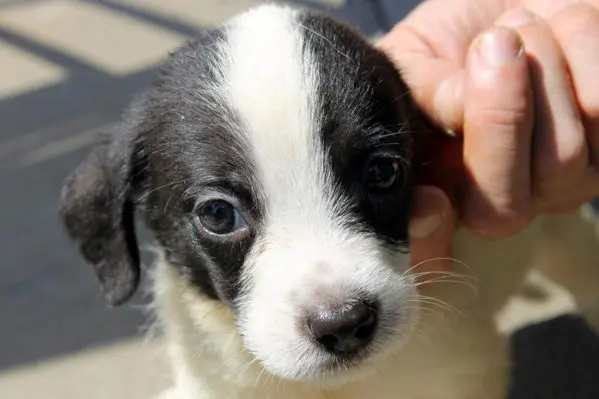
346	329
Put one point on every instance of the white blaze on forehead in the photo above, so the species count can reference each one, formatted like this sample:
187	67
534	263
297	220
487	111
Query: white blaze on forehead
273	87
309	259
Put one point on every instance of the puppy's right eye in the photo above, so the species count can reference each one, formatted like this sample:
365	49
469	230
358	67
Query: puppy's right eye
219	217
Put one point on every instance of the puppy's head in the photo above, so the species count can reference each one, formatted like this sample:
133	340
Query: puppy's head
271	159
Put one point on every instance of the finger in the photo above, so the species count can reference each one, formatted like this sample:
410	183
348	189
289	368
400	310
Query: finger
498	120
431	232
545	9
560	154
430	45
576	29
436	84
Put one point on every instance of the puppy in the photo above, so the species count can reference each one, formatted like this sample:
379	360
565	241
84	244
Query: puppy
273	158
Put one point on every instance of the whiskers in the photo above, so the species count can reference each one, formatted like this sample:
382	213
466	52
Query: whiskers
421	301
427	305
441	276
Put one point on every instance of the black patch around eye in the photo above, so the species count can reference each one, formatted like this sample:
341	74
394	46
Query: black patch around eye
386	197
222	260
209	254
191	152
361	100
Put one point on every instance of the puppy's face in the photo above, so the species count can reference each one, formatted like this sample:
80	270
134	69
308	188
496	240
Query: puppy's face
271	159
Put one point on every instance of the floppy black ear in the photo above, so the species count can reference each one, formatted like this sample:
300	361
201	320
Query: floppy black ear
97	210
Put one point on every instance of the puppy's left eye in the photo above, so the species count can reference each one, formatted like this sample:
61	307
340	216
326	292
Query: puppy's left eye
384	171
219	217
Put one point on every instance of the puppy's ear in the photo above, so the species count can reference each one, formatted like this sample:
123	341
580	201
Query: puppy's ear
97	210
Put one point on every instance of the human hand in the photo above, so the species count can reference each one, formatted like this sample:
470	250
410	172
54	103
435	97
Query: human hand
528	139
431	231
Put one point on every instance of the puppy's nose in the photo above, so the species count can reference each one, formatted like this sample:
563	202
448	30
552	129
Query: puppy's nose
346	329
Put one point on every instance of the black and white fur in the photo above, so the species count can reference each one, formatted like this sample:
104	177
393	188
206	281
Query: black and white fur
282	113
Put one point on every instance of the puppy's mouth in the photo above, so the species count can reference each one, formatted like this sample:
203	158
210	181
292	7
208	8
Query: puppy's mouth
330	370
333	369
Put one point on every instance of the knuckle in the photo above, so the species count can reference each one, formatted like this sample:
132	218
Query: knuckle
503	218
577	29
563	164
565	198
515	224
514	220
564	207
588	98
504	118
562	156
556	203
499	227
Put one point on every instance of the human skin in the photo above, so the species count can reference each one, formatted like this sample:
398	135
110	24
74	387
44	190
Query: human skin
514	83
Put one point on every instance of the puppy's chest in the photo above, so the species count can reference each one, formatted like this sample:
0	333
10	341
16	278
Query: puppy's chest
411	385
418	382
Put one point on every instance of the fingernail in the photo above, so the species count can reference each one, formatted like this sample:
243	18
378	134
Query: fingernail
517	17
426	215
446	99
424	227
451	132
499	47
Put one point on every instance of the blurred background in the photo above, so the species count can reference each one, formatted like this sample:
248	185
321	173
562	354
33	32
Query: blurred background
67	68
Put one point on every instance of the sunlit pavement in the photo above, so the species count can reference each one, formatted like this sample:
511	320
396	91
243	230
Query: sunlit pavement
67	69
